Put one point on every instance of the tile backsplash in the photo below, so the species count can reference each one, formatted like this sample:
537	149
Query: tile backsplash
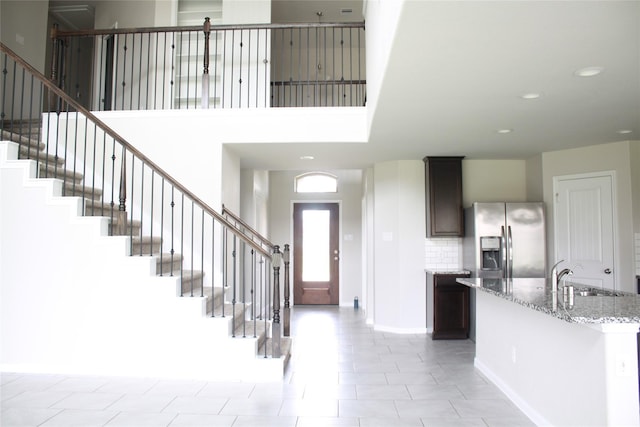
446	253
443	253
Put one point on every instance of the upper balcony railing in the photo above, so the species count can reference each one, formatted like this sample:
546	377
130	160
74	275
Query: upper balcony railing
212	66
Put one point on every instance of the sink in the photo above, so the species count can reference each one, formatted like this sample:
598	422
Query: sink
586	293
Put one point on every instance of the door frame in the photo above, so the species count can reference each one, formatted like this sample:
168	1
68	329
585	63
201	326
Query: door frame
614	215
292	238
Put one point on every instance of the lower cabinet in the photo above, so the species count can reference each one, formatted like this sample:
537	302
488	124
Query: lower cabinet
450	307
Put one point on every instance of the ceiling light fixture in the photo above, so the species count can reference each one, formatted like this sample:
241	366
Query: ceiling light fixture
307	157
625	131
588	72
504	131
531	95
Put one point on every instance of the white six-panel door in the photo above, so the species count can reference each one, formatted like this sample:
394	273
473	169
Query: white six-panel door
584	207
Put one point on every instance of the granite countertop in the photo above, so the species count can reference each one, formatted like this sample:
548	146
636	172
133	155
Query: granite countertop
600	306
447	271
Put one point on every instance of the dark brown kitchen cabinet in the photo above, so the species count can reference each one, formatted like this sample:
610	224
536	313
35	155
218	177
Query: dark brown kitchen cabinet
450	307
444	196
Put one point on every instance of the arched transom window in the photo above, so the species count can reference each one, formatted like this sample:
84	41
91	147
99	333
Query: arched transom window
316	182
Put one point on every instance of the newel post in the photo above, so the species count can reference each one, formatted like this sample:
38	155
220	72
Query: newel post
205	73
286	313
276	333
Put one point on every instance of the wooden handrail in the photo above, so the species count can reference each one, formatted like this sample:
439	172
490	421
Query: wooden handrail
112	133
239	220
219	27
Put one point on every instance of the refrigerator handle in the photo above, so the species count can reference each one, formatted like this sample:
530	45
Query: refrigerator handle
510	251
503	246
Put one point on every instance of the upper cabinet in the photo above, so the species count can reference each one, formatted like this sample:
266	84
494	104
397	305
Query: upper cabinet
444	196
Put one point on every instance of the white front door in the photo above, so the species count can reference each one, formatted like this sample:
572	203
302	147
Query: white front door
584	209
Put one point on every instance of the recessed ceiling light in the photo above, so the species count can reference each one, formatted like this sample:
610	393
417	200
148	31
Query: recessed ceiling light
625	131
531	95
307	157
589	71
504	131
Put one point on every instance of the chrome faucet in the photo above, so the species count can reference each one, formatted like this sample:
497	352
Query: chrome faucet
557	277
565	272
554	277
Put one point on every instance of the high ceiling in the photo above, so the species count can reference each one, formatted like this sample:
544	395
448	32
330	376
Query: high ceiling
458	71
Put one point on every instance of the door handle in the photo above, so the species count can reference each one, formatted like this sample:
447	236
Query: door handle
607	271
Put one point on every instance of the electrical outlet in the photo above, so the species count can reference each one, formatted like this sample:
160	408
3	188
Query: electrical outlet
623	367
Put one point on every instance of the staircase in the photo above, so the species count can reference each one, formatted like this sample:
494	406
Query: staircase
88	289
225	327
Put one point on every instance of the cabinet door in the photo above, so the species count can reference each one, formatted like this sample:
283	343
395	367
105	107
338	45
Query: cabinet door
451	308
444	198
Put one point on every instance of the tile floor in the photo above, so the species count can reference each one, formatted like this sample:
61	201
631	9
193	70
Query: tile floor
342	373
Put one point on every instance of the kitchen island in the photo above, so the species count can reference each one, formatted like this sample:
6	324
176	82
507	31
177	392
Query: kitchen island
567	358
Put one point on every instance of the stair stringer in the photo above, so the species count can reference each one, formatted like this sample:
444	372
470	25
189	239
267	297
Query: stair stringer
73	301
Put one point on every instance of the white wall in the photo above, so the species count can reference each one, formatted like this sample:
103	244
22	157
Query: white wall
134	13
558	373
281	202
493	181
246	11
254	199
605	157
382	18
399	210
158	135
534	178
23	28
368	244
89	319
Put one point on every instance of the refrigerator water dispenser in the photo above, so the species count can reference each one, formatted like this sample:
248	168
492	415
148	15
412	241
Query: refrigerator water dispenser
490	248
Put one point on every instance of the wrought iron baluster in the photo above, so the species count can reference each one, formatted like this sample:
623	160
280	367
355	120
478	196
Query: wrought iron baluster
215	72
162	226
192	238
240	69
173	216
242	289
127	226
133	57
213	267
205	64
151	208
253	294
124	70
141	212
195	73
202	258
224	69
182	245
147	95
84	167
188	68
173	76
122	197
233	288
233	56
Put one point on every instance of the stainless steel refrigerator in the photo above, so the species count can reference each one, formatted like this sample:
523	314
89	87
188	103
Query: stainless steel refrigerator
503	240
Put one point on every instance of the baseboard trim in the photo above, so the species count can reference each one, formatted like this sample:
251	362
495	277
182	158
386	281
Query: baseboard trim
517	400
